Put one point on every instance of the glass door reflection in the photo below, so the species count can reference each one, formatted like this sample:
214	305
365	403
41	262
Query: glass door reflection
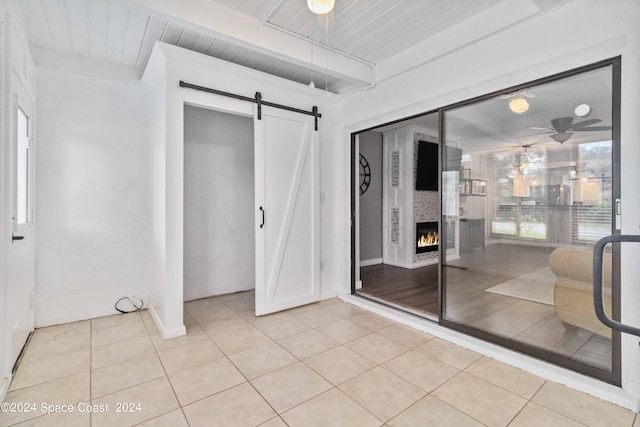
520	274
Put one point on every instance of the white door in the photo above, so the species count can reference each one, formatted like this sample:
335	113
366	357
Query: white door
287	193
21	249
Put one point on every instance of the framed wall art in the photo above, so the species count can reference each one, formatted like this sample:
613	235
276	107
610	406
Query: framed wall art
478	187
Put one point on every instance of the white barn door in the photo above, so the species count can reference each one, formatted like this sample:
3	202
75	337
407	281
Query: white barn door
287	193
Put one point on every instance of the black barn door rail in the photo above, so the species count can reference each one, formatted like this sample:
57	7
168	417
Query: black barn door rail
257	100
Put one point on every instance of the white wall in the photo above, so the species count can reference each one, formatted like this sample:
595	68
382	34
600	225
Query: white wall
371	201
219	232
92	196
575	34
5	375
476	206
155	86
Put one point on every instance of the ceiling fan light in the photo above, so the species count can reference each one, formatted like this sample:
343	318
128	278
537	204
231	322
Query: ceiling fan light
320	7
562	136
518	105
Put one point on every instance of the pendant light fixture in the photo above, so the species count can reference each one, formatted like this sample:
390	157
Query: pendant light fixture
320	7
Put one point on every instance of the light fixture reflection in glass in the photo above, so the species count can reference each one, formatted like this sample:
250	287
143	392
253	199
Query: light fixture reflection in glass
518	105
320	7
582	110
521	186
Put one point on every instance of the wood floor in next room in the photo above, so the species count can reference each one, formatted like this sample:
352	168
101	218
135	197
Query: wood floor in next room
415	289
325	364
469	303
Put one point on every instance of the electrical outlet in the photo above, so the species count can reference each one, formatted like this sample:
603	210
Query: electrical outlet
322	265
322	197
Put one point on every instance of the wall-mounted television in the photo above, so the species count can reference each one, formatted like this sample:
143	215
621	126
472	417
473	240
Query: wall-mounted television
427	165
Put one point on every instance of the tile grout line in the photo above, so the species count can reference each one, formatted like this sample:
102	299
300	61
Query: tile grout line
550	409
236	367
91	369
273	341
278	415
453	407
300	360
166	375
376	365
409	348
134	385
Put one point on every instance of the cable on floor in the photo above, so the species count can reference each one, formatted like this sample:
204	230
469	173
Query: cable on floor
135	306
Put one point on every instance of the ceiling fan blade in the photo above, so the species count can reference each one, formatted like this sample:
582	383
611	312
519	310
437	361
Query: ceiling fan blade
534	134
562	124
577	126
541	128
593	128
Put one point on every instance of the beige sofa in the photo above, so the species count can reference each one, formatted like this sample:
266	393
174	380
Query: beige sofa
573	293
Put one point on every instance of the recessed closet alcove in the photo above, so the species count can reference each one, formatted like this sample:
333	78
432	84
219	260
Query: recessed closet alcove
219	236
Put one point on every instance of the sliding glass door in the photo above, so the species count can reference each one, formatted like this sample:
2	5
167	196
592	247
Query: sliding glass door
536	189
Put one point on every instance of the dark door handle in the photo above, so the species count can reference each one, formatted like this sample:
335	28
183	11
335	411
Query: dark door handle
262	225
598	299
14	237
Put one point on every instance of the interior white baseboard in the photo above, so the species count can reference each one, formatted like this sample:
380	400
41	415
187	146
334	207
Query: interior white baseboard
412	265
397	264
368	262
452	257
166	333
424	263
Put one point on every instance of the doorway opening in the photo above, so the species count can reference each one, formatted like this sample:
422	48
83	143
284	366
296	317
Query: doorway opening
529	179
538	192
219	231
251	203
397	214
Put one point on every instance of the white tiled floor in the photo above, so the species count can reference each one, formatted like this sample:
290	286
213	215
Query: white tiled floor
325	364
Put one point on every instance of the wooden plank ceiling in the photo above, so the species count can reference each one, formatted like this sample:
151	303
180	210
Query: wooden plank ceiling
370	31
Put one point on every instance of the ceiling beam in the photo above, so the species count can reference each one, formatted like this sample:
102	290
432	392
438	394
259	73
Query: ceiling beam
213	19
499	16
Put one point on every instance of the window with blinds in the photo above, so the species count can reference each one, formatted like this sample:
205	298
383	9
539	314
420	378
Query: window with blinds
592	195
562	196
517	203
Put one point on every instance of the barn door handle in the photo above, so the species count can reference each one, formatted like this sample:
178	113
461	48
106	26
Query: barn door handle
262	225
14	237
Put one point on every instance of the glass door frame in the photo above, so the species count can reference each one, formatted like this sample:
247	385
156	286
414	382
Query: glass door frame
613	377
354	212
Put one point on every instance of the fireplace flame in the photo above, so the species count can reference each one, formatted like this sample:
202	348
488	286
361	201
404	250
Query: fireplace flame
430	239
